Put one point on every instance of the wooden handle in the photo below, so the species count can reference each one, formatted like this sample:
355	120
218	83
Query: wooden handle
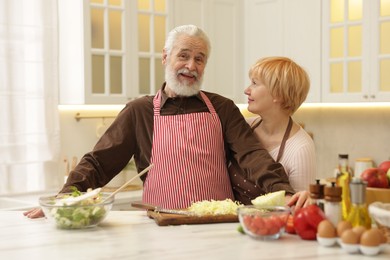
129	181
142	205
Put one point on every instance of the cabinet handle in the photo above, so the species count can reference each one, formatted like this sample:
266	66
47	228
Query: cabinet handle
365	96
372	96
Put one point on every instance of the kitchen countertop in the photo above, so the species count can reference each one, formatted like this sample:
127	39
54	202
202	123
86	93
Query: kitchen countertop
132	235
27	201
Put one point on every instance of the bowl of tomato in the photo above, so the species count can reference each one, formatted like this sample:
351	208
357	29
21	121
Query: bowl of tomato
263	222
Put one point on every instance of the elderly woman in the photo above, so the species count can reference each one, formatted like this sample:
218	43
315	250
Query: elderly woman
278	88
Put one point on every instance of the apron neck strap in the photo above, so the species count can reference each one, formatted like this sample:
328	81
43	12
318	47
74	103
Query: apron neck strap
285	137
284	140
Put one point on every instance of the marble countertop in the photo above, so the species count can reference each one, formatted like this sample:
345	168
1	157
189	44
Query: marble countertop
132	235
26	201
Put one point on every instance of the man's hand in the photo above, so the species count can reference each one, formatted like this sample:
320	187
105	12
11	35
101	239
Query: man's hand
34	213
298	200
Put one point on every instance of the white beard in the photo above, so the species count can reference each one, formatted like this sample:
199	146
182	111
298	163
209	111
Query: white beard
182	89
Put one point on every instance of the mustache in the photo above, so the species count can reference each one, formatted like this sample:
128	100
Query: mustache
187	72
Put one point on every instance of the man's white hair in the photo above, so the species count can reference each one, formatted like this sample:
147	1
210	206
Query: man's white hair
190	30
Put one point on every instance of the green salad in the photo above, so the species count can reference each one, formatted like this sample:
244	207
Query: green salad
85	213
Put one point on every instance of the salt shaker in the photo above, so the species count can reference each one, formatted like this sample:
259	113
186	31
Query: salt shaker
332	206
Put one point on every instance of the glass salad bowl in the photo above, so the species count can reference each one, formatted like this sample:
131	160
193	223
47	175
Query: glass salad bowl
86	213
263	222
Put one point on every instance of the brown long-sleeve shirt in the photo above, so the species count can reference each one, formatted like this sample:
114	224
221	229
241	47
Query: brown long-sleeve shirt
131	134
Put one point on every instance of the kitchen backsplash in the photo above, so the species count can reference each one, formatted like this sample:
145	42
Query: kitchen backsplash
358	131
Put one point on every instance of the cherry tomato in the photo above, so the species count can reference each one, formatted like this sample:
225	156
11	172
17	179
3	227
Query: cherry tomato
306	221
290	225
264	225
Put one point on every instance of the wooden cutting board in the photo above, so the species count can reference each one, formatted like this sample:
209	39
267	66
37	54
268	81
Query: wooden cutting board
164	219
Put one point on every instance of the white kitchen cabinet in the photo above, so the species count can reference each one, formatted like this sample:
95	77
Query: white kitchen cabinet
356	51
75	62
110	51
222	21
290	28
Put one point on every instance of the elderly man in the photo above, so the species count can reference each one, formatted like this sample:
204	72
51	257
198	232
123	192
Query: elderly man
188	134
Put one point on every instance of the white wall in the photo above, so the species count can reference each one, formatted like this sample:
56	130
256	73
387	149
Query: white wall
360	132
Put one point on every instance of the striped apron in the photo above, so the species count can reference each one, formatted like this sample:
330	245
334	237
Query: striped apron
189	159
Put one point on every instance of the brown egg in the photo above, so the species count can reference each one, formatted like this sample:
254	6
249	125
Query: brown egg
359	230
381	235
349	237
342	226
326	229
370	237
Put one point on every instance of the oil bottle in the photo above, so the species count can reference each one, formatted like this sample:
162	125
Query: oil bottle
358	216
343	178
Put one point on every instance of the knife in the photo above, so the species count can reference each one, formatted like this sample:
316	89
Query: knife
157	209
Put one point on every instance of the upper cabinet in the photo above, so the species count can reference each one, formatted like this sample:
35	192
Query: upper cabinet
289	28
222	21
356	50
110	50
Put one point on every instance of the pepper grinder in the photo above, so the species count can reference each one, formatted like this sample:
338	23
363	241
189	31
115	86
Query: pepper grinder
358	215
317	194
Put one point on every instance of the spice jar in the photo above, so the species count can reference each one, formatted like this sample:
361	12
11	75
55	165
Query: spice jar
332	206
317	194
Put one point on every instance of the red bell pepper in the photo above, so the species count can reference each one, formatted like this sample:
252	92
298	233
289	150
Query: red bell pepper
306	221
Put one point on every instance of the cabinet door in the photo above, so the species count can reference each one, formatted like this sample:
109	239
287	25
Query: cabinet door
344	55
221	20
356	56
302	42
290	28
93	54
380	57
110	51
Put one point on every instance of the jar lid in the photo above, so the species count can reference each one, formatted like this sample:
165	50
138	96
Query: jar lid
358	191
364	159
316	190
333	193
343	156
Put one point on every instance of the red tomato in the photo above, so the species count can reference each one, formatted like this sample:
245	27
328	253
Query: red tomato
276	221
264	225
260	225
306	221
290	225
247	221
272	229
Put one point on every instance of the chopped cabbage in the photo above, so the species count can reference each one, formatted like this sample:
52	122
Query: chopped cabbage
214	207
276	198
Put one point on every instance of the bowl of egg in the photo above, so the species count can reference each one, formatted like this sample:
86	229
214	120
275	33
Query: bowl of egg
351	239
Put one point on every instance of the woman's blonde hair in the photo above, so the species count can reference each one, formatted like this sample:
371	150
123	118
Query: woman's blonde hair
285	79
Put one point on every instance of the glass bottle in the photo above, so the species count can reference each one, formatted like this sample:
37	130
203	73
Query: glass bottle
317	194
359	215
332	206
343	179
